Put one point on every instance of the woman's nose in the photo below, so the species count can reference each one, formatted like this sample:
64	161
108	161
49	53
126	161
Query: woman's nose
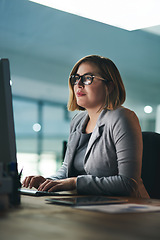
80	83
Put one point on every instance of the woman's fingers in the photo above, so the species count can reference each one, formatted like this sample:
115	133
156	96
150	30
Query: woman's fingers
36	181
26	181
58	185
41	186
46	185
33	181
53	186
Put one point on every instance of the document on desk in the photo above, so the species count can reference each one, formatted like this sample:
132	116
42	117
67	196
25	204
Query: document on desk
121	208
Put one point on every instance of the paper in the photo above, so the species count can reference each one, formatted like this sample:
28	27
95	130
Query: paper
121	208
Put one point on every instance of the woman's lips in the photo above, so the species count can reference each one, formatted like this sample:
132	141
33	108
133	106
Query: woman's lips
80	94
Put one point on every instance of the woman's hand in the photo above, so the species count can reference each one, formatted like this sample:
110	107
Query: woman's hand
33	181
67	184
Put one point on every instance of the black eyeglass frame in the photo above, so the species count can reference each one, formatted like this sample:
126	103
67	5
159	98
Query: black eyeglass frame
82	79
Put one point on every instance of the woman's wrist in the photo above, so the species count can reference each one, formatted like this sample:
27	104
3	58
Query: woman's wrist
74	181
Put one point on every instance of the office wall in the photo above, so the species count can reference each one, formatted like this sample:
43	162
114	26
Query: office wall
42	45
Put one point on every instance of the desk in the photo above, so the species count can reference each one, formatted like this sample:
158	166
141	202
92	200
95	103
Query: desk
36	220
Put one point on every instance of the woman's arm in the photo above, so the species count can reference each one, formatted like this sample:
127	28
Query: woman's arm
110	186
61	173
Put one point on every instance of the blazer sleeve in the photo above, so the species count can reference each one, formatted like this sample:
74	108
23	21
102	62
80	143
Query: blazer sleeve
61	173
126	134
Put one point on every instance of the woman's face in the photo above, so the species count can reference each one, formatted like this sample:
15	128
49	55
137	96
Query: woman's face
90	97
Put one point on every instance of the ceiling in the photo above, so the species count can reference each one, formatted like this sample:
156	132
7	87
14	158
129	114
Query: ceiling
43	44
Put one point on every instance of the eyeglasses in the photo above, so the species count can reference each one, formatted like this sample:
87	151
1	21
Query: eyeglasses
86	79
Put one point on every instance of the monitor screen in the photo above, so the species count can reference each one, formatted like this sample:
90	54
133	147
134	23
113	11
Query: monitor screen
7	132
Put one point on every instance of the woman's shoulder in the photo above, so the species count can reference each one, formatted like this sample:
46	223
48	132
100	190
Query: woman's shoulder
79	116
121	112
78	119
119	115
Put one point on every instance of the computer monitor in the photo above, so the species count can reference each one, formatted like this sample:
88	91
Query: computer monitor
7	131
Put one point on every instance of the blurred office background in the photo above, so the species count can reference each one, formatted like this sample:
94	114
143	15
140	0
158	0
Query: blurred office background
42	45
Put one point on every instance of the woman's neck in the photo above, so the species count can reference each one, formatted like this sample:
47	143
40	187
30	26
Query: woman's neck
93	117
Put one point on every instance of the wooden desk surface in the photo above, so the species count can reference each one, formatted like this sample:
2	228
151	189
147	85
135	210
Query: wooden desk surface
36	220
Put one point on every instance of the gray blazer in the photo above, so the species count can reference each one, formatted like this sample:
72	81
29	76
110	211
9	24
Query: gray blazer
113	157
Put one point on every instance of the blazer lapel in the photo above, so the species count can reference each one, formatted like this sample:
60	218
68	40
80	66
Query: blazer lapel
73	142
96	133
75	136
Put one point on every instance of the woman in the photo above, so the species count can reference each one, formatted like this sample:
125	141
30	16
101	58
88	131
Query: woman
104	152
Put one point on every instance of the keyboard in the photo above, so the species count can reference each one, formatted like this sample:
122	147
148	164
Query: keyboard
37	193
